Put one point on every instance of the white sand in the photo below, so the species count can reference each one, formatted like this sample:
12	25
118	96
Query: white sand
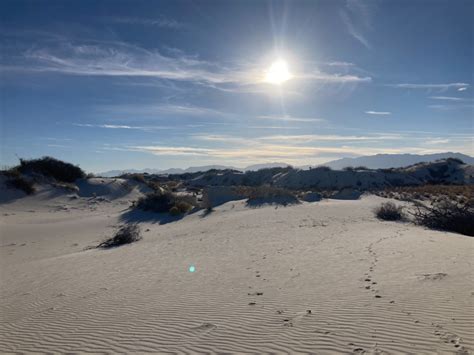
58	297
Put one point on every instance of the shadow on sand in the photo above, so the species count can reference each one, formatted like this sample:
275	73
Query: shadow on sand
137	216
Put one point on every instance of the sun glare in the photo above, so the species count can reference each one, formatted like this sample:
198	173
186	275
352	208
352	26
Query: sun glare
278	73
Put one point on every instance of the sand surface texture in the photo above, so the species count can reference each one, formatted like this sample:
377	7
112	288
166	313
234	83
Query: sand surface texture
318	277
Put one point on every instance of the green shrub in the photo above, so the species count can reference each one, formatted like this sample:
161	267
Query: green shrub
51	167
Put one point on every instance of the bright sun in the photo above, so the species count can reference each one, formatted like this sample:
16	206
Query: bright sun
278	73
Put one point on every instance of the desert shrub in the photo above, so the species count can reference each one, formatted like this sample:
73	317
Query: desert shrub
51	167
183	206
447	215
321	168
134	176
174	211
455	160
16	181
268	194
126	234
164	202
388	211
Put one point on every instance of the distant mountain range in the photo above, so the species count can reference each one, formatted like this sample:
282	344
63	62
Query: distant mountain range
379	161
385	161
193	169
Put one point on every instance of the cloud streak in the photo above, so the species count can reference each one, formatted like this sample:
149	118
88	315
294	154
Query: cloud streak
378	113
161	22
112	126
119	59
440	87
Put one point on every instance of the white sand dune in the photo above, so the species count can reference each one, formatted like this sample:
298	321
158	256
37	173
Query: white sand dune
315	277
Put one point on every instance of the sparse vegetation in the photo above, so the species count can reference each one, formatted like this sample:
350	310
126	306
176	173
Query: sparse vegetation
388	211
430	192
51	167
17	181
268	194
126	234
447	215
167	202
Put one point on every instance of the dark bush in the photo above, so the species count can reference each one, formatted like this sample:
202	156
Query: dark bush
388	211
448	215
455	160
51	167
164	202
348	168
321	168
16	181
126	234
268	195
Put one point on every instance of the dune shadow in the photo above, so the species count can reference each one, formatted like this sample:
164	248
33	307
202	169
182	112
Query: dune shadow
135	215
206	213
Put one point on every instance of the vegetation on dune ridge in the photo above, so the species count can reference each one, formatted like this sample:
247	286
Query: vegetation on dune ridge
51	167
166	202
17	181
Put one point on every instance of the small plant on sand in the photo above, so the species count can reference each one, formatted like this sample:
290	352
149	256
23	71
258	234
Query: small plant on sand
126	234
448	215
388	211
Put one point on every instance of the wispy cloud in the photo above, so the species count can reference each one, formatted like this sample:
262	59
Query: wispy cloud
357	17
381	113
335	78
291	119
112	126
120	59
340	64
452	106
440	87
160	109
161	21
450	98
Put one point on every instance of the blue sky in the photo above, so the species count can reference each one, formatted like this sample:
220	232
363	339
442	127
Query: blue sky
160	84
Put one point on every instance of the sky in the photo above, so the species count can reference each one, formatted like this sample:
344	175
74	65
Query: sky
163	84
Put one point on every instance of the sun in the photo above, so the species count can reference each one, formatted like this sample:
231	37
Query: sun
278	73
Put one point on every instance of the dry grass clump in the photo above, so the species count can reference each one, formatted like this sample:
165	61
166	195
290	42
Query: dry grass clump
126	234
167	202
17	181
51	167
447	215
388	211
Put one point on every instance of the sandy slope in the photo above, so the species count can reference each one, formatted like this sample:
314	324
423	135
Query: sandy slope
258	273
